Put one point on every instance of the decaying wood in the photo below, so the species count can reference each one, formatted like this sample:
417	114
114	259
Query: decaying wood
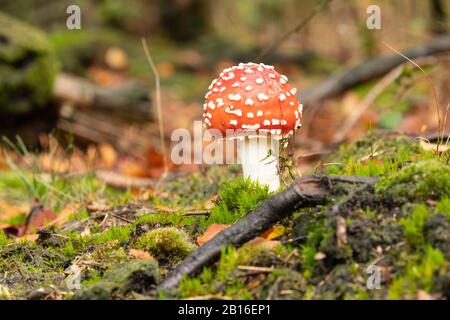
370	70
129	98
304	192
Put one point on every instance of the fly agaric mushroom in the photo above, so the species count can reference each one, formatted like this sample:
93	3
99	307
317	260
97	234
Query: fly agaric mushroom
261	106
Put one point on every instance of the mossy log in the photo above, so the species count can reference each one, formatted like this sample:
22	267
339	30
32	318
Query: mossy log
28	66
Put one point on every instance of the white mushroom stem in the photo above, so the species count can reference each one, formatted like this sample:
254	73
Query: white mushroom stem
259	158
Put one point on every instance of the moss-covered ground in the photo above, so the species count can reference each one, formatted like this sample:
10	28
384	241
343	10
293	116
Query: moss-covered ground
391	240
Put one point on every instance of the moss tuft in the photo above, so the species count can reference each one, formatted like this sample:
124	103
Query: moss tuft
134	276
419	181
237	198
165	243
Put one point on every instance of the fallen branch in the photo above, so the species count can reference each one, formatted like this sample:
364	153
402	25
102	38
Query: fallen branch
304	192
129	98
370	70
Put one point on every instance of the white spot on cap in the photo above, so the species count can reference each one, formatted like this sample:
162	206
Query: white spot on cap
237	112
248	87
220	102
272	75
293	91
300	108
275	121
261	69
283	81
234	97
229	76
249	102
283	122
243	78
291	103
215	90
282	97
209	115
211	105
266	122
259	80
248	70
205	106
259	113
235	85
262	97
250	115
296	114
207	94
233	122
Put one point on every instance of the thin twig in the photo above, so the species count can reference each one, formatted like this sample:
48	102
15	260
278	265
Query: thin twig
197	213
120	218
159	110
317	9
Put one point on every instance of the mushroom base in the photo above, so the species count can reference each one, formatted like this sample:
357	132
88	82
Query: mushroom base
259	159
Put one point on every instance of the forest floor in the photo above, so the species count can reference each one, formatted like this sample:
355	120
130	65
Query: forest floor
390	240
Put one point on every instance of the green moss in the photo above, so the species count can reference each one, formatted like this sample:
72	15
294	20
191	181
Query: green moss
166	243
134	276
413	225
443	206
237	198
419	181
419	274
374	155
3	238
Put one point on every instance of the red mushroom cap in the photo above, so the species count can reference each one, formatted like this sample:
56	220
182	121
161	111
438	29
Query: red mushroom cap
252	98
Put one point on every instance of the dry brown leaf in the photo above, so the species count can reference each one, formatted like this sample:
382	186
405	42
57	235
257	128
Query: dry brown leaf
211	232
260	242
139	254
116	58
211	202
108	155
165	69
165	209
65	214
38	217
273	232
8	210
27	237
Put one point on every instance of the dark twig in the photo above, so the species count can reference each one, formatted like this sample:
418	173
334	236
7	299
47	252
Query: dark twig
369	70
304	192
